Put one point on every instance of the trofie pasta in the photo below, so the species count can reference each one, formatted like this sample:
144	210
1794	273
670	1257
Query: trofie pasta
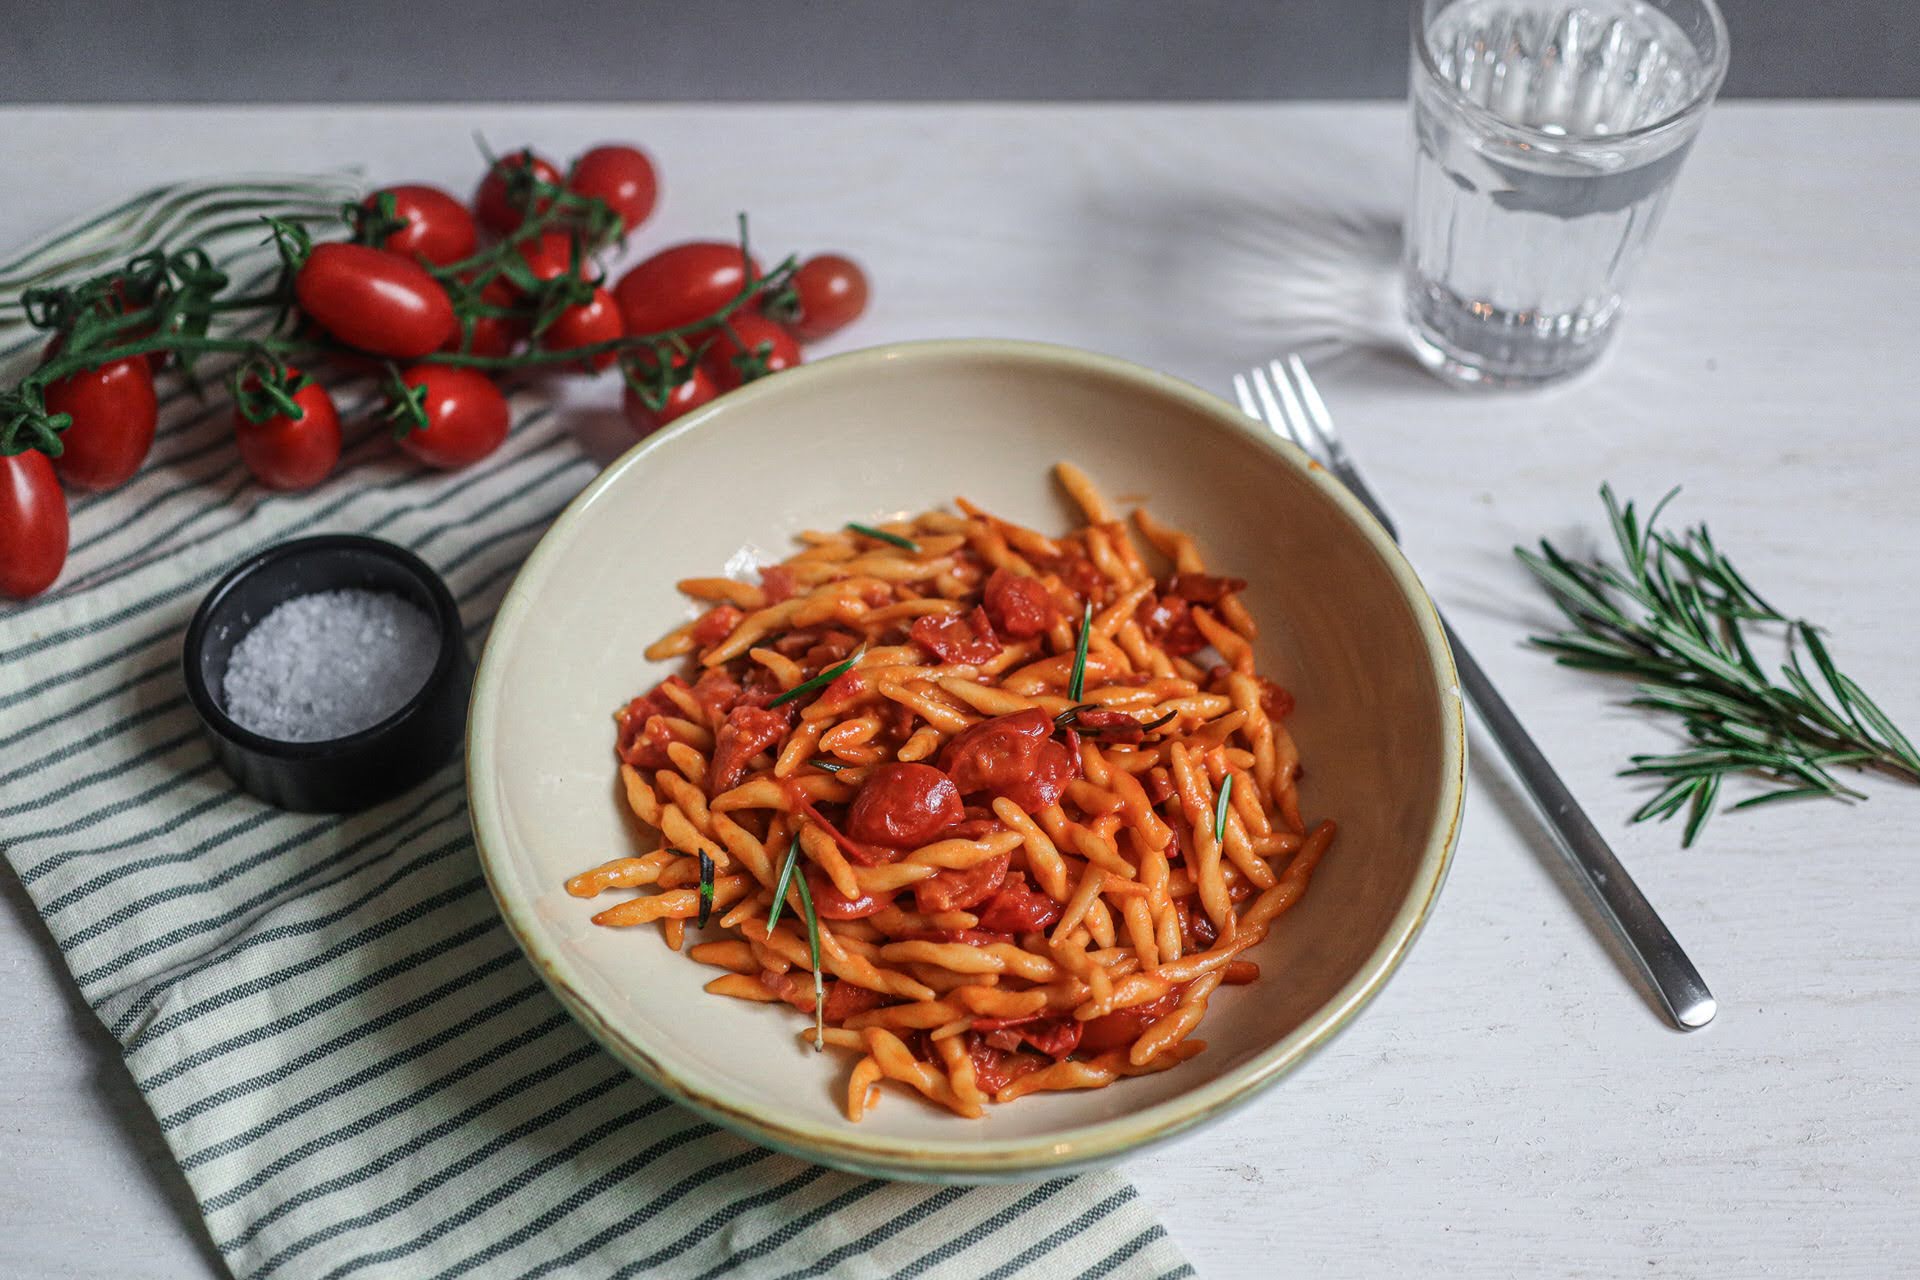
1000	810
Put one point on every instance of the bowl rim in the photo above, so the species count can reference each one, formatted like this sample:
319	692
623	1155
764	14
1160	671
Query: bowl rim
973	1157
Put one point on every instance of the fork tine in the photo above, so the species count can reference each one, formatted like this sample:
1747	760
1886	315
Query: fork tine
1248	405
1271	411
1301	427
1310	396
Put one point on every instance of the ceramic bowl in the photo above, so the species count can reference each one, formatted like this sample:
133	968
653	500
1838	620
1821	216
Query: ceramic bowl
1344	624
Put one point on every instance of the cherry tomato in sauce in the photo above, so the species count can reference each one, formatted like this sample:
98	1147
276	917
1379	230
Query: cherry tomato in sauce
33	524
376	301
467	416
494	204
1201	588
620	177
1019	605
681	285
995	1069
832	291
749	346
844	999
961	888
114	414
1018	908
587	325
747	732
287	452
904	806
1014	756
1167	621
1119	1029
439	229
831	904
954	637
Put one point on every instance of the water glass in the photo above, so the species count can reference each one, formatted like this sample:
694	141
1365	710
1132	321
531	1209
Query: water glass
1547	137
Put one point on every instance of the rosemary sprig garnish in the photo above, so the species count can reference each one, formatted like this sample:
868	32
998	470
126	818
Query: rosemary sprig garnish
706	892
904	543
1220	810
1675	619
780	885
819	986
828	766
820	681
1076	687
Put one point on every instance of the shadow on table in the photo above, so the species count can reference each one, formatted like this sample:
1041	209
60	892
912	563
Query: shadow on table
135	1125
1489	774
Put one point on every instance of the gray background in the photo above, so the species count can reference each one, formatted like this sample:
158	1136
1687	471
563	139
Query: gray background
643	50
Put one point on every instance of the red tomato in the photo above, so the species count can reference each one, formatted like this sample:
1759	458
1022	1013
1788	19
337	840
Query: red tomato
844	999
773	345
497	211
747	732
833	293
1017	908
904	806
1119	1029
467	416
1201	588
439	229
683	399
954	637
375	300
33	524
961	889
550	255
1168	622
1014	756
114	414
586	325
1019	605
285	452
994	1070
831	904
491	335
682	285
621	178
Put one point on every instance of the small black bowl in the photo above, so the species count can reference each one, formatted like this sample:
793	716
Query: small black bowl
361	769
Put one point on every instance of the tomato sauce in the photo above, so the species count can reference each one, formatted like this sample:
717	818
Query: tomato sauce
1014	756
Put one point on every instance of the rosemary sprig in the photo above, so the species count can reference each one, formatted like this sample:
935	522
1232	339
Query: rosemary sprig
1675	617
780	885
706	892
1220	810
820	681
1076	686
827	766
867	530
819	986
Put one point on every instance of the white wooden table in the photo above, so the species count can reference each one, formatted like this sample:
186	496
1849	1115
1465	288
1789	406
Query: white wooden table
1510	1104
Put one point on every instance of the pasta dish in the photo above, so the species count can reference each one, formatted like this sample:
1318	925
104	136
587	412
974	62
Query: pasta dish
999	811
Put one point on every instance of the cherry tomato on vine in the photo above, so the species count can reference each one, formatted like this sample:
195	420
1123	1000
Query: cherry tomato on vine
467	416
33	524
750	332
439	229
683	399
833	293
377	301
549	255
491	335
586	325
621	178
114	414
285	452
681	285
496	211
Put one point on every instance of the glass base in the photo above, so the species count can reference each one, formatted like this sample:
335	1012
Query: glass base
1473	344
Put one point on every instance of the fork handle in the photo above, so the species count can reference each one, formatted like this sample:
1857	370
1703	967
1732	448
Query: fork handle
1673	976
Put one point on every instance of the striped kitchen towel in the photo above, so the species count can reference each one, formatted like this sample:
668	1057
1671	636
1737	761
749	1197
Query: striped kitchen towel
351	1061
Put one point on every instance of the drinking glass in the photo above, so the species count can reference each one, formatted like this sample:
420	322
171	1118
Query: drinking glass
1547	136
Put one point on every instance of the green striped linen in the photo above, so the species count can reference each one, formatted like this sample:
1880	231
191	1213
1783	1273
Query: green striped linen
350	1059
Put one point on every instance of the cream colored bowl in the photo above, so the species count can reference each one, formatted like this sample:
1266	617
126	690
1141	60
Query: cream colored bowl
1344	624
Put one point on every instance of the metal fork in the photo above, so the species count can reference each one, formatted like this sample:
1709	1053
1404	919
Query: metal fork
1284	398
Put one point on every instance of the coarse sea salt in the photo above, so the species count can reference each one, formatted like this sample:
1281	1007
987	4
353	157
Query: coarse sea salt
328	664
